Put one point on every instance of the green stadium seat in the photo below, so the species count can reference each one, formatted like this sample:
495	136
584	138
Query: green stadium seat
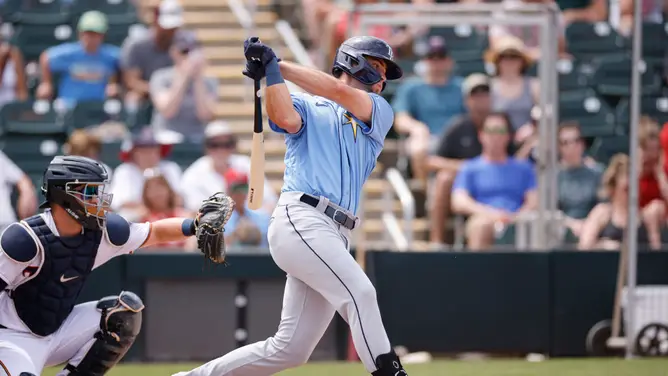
654	41
31	153
573	75
612	76
91	113
37	11
111	8
407	66
33	39
141	117
604	148
109	153
462	38
465	67
587	40
654	107
594	115
185	153
31	118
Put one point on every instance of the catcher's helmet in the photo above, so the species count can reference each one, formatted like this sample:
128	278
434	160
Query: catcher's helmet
350	58
77	184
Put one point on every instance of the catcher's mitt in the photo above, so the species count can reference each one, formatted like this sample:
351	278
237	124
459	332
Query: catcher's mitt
210	226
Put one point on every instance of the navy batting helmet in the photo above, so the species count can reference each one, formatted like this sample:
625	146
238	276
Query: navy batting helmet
77	184
350	58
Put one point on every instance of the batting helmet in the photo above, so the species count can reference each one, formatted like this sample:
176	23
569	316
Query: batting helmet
350	58
77	184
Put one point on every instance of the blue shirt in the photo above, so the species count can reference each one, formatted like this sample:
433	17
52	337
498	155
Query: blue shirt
259	219
333	153
499	185
82	76
434	105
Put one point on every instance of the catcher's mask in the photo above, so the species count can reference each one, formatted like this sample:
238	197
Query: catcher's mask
77	184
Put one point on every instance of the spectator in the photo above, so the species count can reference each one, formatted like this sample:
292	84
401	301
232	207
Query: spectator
246	227
83	143
583	10
652	11
513	92
653	185
161	202
529	35
577	182
183	97
26	205
143	55
87	69
425	106
459	143
13	82
141	153
605	225
206	175
494	188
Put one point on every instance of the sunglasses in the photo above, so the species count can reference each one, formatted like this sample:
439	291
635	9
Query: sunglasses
495	130
568	141
221	145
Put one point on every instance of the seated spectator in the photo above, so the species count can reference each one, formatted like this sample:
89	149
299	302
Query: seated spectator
247	228
577	182
141	153
26	205
161	202
183	97
13	81
652	11
513	92
84	70
530	35
459	143
143	55
606	224
206	176
424	106
583	10
83	143
494	188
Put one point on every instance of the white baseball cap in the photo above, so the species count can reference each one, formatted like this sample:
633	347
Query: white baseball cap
170	14
217	128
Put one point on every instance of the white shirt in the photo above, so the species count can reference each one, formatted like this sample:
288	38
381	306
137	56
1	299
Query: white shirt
127	183
10	174
11	271
202	181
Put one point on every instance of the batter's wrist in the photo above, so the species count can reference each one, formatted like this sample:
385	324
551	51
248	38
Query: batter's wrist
273	73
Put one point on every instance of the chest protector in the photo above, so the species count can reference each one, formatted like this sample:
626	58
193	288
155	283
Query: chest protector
45	301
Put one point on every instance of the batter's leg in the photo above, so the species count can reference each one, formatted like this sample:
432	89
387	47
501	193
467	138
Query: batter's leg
316	253
304	320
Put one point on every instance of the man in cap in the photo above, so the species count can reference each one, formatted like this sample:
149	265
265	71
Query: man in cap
183	97
207	175
246	227
88	68
143	55
425	105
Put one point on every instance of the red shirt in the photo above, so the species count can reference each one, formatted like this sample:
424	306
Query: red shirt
152	217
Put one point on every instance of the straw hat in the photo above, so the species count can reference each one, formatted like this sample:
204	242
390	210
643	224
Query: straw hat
508	45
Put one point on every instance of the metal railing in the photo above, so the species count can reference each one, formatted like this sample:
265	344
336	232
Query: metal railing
402	238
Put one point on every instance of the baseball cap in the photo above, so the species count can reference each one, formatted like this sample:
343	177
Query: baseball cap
94	21
236	180
170	14
185	41
435	47
474	81
217	128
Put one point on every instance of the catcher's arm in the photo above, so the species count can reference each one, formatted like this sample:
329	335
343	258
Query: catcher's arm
169	230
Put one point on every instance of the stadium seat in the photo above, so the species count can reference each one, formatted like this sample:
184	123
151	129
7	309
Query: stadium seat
31	118
462	39
111	8
109	153
465	67
654	40
141	117
612	76
594	115
32	153
654	107
33	39
573	75
588	40
35	11
91	113
185	153
604	148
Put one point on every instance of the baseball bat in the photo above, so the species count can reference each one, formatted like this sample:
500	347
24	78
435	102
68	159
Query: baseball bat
256	183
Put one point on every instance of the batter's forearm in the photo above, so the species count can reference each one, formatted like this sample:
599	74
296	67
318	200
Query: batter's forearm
169	230
312	80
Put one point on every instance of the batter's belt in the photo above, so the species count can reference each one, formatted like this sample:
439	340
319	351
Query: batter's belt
338	215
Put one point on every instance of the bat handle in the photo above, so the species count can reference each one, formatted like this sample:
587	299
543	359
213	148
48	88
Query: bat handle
257	128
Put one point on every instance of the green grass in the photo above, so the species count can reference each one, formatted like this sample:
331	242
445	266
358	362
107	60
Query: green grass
566	367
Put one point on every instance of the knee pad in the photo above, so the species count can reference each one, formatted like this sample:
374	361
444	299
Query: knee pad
389	365
120	324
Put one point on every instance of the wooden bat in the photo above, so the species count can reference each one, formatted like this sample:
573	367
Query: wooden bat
256	181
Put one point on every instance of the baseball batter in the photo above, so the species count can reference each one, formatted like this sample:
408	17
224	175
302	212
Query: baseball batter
45	261
333	136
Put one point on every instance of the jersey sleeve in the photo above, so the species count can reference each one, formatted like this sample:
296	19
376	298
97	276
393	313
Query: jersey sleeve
382	118
300	106
59	57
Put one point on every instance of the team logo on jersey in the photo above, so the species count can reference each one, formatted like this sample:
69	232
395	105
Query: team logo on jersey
349	119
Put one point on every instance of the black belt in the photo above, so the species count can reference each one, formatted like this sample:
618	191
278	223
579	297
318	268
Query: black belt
337	215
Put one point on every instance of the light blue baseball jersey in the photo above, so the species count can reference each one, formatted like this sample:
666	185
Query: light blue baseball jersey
333	153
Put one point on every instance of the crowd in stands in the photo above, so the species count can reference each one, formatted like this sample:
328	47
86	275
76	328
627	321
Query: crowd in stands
471	134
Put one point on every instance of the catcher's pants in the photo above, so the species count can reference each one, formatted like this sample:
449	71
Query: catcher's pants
322	278
26	352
